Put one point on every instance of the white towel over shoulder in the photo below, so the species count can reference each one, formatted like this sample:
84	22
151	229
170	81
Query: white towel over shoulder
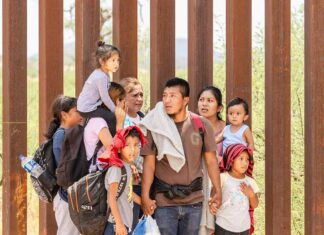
165	135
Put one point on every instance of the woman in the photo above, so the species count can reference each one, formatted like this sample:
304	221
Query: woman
210	106
134	103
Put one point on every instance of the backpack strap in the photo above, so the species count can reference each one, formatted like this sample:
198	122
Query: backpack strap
122	182
140	114
94	156
199	126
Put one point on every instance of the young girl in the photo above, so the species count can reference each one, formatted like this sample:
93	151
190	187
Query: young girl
104	128
239	192
94	92
236	132
65	116
124	149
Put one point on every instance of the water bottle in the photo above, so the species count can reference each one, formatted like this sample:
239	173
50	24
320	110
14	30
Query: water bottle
31	166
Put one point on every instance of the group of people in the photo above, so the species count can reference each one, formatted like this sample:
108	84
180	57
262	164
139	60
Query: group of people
191	180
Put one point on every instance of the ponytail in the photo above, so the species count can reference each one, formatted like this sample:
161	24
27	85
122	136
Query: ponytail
52	128
61	103
104	52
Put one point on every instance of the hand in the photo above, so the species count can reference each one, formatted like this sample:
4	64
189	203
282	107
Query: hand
148	206
120	112
216	198
247	190
121	229
122	104
213	208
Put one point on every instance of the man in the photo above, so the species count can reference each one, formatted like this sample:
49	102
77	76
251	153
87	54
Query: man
173	163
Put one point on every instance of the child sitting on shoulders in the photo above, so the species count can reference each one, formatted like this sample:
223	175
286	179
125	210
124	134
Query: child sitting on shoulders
240	193
95	90
124	150
236	132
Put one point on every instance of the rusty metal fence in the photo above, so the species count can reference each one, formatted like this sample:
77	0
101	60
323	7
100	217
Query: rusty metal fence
162	67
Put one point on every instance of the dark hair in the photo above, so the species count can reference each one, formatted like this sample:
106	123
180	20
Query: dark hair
116	91
104	52
183	84
216	93
133	133
237	101
61	103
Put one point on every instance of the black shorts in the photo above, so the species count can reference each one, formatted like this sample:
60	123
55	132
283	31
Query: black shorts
220	231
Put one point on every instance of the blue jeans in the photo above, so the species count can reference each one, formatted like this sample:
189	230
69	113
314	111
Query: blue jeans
179	220
110	229
137	213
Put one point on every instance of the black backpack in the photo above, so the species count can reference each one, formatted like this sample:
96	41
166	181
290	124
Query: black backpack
73	164
45	185
88	202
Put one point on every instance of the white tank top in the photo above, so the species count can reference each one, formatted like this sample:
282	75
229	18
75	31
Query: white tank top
233	138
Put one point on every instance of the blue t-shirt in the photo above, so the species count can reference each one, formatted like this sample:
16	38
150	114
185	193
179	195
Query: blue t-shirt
58	138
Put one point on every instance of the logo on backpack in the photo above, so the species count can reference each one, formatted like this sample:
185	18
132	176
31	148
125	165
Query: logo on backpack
85	207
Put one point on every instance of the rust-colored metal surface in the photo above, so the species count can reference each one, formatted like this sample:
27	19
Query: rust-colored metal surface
14	121
50	83
314	113
200	47
162	46
277	117
87	33
238	51
125	37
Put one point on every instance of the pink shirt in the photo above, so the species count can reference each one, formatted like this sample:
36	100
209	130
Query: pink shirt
91	135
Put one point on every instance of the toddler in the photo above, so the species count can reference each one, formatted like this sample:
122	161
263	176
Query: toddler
236	132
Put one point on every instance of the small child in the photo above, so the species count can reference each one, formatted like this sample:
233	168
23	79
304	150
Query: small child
236	132
65	116
94	92
125	148
116	92
239	192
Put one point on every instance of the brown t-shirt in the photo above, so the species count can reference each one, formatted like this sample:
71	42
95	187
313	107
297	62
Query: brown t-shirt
192	144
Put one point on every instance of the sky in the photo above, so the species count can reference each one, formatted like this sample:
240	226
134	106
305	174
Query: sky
181	18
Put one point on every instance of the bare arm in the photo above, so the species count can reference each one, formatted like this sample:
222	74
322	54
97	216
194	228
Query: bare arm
105	137
214	175
253	197
120	114
112	202
220	137
249	138
148	205
137	199
254	201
